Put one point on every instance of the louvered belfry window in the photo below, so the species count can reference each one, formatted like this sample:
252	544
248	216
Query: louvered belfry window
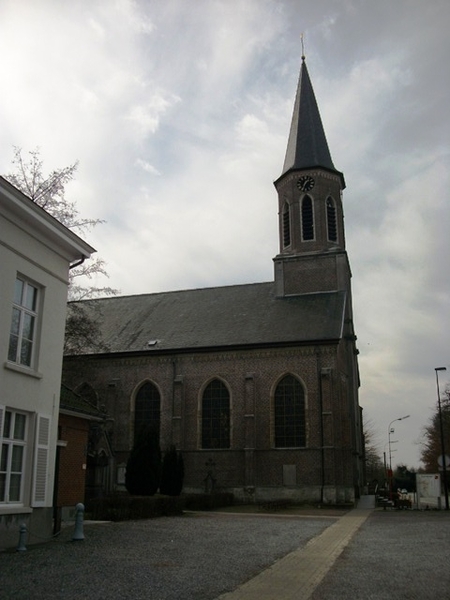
289	414
331	220
286	226
216	416
307	219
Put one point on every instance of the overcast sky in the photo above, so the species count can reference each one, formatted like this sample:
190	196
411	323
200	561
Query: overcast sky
179	111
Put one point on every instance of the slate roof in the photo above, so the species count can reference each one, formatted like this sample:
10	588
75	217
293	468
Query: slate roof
72	402
307	145
218	317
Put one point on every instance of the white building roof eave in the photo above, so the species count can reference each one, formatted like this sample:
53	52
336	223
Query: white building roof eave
41	224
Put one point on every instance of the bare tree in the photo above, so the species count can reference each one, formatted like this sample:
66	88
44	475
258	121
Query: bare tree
83	331
431	439
49	192
374	463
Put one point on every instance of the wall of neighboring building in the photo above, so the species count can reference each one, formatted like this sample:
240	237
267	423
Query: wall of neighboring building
32	391
36	251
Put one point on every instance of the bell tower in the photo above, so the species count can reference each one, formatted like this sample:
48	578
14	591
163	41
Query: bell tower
312	256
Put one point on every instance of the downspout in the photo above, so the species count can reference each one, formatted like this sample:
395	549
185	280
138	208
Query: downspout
177	427
322	450
174	374
56	508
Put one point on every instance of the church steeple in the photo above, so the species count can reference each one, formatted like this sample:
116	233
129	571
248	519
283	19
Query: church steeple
307	145
312	255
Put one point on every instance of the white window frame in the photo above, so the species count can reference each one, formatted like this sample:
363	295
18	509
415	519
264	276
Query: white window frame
7	444
25	312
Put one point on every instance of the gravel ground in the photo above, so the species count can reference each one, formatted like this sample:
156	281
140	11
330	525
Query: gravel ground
195	557
401	555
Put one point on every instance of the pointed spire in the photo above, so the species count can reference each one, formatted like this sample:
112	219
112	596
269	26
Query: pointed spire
307	145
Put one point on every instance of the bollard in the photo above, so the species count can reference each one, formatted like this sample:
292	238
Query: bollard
78	532
22	537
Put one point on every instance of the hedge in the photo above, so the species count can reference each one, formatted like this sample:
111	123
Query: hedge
124	507
208	501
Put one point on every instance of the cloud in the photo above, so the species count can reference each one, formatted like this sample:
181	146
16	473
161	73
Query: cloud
145	118
147	167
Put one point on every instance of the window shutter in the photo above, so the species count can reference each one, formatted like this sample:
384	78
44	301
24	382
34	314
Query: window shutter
2	416
41	460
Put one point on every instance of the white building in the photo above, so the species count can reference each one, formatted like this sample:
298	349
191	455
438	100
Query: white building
36	253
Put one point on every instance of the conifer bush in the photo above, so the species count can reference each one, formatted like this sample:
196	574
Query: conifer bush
172	473
143	474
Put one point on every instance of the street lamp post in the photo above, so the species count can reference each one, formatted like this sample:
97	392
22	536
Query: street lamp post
390	452
441	426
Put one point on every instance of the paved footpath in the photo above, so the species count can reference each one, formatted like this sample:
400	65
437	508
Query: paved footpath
297	575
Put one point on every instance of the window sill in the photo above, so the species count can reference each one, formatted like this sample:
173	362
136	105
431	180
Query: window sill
23	370
289	448
14	509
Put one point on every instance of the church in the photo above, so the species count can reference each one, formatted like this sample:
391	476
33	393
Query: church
256	385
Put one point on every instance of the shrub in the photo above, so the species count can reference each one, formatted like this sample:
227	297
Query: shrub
143	472
208	501
172	473
122	507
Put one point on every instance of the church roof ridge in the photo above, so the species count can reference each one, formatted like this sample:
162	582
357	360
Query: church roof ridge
167	292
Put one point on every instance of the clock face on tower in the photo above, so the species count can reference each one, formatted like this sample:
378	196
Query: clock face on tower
305	183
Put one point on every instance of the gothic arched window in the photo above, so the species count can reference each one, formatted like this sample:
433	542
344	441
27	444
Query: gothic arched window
147	409
286	226
331	220
289	413
307	219
216	416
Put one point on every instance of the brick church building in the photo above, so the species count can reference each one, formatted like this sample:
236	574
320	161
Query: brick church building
256	385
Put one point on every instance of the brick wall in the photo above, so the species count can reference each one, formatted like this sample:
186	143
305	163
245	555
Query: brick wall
251	377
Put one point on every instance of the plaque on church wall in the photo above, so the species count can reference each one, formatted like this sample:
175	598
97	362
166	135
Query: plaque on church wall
289	474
